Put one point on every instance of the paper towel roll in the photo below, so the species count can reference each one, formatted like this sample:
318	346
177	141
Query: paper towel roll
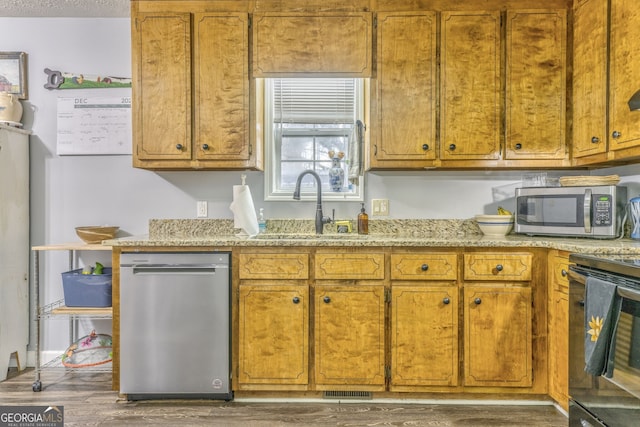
244	214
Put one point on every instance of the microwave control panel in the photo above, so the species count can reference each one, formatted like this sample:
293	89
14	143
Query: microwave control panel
602	209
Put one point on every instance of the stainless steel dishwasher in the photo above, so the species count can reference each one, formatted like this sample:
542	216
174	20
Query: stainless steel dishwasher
175	325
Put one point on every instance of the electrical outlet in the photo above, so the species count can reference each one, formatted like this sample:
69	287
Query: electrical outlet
201	207
380	207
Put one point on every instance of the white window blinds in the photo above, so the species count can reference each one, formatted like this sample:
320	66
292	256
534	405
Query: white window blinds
314	101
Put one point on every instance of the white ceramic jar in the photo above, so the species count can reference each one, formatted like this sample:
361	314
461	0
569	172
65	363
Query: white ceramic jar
10	108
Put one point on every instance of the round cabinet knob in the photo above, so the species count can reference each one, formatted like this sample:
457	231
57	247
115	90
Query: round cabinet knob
425	147
518	146
296	300
499	267
564	273
595	139
477	301
327	300
424	267
179	146
452	147
616	134
446	301
205	146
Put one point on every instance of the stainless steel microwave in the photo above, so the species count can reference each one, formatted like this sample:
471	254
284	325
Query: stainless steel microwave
570	211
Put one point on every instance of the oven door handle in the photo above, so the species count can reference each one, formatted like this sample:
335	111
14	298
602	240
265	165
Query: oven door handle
623	292
629	294
577	277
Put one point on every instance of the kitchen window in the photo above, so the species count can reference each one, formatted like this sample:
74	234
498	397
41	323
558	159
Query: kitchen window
305	121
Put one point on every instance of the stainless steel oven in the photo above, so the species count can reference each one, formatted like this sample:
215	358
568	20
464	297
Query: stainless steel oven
611	398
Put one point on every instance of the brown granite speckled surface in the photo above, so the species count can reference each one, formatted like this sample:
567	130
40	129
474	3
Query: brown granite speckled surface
390	233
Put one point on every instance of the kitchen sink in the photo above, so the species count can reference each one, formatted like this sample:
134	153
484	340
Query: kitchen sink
304	236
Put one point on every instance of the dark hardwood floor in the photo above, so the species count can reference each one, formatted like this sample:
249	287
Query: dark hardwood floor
89	401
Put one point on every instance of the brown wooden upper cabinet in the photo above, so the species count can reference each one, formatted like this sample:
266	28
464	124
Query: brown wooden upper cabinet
404	91
590	78
624	125
296	44
599	46
191	91
501	100
470	86
536	85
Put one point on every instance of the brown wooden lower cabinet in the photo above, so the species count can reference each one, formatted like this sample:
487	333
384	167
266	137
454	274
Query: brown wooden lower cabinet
349	334
558	306
392	320
424	335
497	336
273	335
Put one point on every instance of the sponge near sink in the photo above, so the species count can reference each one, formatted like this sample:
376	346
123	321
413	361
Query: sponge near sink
343	226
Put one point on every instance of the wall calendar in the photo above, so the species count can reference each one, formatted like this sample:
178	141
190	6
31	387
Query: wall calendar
94	125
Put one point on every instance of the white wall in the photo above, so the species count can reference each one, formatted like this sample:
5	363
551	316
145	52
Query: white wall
69	191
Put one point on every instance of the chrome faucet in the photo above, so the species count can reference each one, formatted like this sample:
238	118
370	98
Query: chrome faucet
320	219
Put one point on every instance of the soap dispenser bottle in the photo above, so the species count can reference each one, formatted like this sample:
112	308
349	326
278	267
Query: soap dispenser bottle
262	223
363	221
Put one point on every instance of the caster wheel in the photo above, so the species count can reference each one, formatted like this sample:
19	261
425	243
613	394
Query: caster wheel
37	386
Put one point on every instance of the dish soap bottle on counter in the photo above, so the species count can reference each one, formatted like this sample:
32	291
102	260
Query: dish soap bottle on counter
262	223
363	222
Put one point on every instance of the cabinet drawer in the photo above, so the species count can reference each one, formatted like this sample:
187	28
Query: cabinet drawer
428	266
273	266
354	266
511	266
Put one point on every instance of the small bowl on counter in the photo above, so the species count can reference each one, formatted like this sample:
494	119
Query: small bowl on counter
495	225
95	233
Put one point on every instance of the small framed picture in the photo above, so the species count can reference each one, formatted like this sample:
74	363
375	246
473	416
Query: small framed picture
13	73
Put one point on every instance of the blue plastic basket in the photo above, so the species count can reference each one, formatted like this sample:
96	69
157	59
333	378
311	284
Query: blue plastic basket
87	290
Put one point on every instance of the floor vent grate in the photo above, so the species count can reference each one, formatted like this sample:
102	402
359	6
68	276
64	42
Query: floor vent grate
347	395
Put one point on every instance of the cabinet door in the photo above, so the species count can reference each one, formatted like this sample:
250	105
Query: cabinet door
497	336
349	336
536	84
624	125
424	335
323	44
470	113
273	334
221	84
558	330
161	49
589	78
405	91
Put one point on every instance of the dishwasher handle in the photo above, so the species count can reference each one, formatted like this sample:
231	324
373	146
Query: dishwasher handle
173	269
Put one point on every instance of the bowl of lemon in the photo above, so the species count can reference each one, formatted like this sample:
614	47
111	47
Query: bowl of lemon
498	225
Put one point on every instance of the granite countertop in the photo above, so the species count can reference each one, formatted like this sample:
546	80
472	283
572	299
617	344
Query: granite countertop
388	233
